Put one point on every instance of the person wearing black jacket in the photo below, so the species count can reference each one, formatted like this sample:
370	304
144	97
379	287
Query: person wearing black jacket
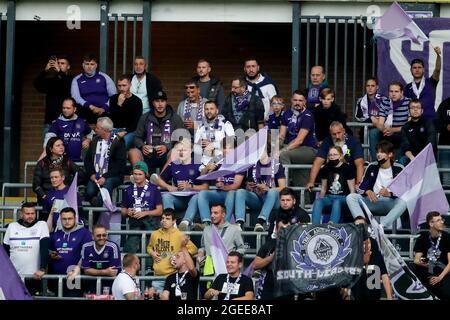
443	128
243	108
417	133
55	81
210	87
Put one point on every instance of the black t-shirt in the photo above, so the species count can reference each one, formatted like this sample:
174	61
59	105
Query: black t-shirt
423	244
265	250
220	283
188	285
337	178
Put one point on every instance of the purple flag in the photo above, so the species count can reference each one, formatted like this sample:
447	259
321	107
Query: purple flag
244	156
249	270
111	219
219	252
11	286
420	187
395	23
71	200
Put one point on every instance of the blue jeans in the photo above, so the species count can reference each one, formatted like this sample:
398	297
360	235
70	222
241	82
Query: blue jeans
181	203
444	162
208	197
266	204
93	191
374	137
392	207
336	202
129	140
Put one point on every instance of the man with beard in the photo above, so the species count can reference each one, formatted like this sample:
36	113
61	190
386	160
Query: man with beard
297	133
353	153
259	83
144	84
417	133
210	87
26	242
244	109
191	109
373	190
209	136
73	131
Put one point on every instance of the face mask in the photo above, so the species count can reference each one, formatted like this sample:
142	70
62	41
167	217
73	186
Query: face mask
334	163
382	161
415	118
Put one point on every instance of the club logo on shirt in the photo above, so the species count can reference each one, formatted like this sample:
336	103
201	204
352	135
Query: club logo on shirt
105	255
77	126
33	232
97	80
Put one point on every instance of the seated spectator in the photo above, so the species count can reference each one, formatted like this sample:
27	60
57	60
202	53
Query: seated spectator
210	134
144	84
316	84
233	285
125	109
297	133
417	133
431	257
125	285
154	132
181	176
55	158
443	128
65	248
243	108
264	181
374	191
338	181
100	257
105	161
92	90
393	115
325	113
142	204
183	284
55	82
164	244
191	109
368	106
276	112
74	131
210	87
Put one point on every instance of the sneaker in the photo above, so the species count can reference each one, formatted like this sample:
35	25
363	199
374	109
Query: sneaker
259	227
239	226
199	226
184	225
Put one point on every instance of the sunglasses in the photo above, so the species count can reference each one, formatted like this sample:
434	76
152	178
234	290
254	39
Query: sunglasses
103	235
190	87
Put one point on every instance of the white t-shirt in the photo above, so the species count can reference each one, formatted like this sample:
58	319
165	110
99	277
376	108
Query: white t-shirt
139	88
384	178
24	246
268	92
122	285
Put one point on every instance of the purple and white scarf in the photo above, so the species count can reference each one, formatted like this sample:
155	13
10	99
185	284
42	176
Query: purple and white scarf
102	155
242	101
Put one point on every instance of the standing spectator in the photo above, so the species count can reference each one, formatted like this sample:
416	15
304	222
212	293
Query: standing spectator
432	257
233	285
243	108
92	90
423	88
153	133
191	109
368	106
26	242
144	84
183	284
125	111
105	161
74	131
164	244
316	84
338	181
417	133
276	112
443	128
259	83
125	285
55	81
142	205
297	133
210	87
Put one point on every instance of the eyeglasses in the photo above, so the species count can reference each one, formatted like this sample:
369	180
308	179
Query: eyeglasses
276	104
103	235
333	154
190	87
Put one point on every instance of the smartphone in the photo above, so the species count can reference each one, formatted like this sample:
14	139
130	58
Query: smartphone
54	58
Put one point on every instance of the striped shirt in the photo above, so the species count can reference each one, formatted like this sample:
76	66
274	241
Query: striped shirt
399	109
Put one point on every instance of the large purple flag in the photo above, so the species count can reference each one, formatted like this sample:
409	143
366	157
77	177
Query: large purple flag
419	185
111	219
395	23
11	286
219	252
244	156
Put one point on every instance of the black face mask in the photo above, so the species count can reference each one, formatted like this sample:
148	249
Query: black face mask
415	118
382	161
333	163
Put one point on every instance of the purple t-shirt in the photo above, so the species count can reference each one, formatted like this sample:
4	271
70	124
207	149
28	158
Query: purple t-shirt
426	97
108	256
149	199
229	178
181	172
52	196
274	122
294	123
68	246
267	174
